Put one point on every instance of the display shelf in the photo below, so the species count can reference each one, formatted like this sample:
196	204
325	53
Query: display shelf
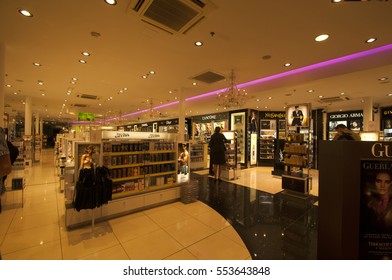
229	172
198	156
153	180
297	155
268	129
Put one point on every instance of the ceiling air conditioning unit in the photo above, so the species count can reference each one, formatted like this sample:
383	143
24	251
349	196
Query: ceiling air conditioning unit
172	16
334	99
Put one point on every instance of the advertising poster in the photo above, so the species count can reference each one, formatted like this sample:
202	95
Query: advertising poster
183	163
298	115
376	210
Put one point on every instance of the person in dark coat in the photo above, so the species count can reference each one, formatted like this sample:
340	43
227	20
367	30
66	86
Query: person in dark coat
217	151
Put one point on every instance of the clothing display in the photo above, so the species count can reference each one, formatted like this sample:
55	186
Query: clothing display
93	188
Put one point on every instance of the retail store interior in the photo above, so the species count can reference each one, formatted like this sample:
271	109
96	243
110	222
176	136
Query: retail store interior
112	106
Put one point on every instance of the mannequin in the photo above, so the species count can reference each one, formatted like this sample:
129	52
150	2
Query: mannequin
86	161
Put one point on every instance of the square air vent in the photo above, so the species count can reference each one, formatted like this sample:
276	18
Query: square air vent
172	16
209	77
79	105
333	99
88	96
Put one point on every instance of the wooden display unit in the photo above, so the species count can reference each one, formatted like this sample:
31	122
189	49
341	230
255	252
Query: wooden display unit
297	149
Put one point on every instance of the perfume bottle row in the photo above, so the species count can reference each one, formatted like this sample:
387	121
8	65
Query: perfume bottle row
141	170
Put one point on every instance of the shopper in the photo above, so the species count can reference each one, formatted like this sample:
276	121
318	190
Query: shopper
379	202
217	152
343	133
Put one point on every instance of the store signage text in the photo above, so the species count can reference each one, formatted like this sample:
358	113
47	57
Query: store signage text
381	150
210	117
122	135
346	115
154	135
144	124
275	115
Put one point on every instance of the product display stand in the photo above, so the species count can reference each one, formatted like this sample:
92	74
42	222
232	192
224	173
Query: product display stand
230	171
298	145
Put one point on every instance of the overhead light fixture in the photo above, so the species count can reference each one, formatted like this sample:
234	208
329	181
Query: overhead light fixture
37	64
82	61
321	37
371	40
26	13
232	97
198	44
85	53
310	90
287	64
111	2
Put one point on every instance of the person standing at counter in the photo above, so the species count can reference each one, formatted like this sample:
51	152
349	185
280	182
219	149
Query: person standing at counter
218	152
343	133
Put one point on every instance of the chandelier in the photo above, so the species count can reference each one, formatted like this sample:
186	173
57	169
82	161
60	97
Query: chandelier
151	114
232	97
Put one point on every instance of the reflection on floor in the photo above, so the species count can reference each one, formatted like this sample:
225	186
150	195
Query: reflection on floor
282	225
230	221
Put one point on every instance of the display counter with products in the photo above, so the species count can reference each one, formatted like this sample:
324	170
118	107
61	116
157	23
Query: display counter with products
143	171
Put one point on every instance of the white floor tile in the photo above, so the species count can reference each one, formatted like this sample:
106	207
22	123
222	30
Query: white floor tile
153	246
47	251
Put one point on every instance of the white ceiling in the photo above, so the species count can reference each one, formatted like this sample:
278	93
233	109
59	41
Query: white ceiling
236	35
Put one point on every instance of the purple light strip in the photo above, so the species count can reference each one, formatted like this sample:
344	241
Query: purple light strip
144	111
300	70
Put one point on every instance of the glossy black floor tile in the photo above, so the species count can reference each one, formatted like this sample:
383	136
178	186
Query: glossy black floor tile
273	227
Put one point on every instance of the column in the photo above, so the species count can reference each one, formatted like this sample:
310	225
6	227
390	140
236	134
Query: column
181	117
368	124
37	120
2	84
28	115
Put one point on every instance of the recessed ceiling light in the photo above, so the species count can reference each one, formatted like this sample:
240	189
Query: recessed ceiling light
144	76
371	40
152	72
320	96
43	94
85	53
198	43
26	13
342	93
36	64
383	79
287	64
269	97
40	83
8	85
15	93
336	1
82	61
321	38
194	83
257	99
111	2
310	90
389	94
